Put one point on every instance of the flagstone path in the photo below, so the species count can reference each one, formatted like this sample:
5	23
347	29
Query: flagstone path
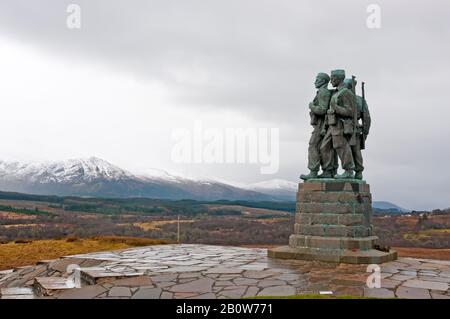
205	271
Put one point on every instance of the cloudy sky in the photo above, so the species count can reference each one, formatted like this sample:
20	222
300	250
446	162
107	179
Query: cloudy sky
137	70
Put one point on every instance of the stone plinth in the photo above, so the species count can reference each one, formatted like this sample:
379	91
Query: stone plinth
333	222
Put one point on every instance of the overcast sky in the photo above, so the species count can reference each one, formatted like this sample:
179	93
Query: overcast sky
137	70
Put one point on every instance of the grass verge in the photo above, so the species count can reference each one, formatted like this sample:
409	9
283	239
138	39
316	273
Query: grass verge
15	254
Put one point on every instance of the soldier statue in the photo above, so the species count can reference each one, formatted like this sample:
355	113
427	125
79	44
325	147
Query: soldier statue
362	129
318	110
340	131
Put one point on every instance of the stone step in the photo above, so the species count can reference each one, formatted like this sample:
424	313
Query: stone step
48	286
370	256
17	293
93	276
6	272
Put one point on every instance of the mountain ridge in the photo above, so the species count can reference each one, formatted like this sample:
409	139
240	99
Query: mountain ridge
95	177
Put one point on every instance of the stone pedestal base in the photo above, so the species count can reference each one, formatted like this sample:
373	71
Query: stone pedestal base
333	223
371	256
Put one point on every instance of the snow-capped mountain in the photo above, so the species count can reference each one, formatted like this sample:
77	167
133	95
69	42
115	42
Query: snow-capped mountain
96	177
279	188
70	171
279	184
154	174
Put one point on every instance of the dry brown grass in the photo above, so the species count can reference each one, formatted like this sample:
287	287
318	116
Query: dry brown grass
16	216
131	241
271	220
15	254
248	211
154	225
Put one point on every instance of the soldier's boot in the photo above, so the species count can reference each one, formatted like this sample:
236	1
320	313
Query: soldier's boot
326	174
358	175
347	174
312	174
334	172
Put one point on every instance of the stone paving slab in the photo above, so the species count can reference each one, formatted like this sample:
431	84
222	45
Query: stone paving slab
431	285
16	293
96	275
47	286
210	272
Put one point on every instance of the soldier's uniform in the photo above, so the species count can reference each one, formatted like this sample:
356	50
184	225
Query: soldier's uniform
343	104
318	108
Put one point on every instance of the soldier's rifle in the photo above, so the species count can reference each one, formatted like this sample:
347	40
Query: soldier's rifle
364	136
355	111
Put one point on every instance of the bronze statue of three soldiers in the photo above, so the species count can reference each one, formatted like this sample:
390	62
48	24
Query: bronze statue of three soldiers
341	122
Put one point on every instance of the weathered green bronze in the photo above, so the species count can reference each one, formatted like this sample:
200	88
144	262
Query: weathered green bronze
341	123
362	129
318	110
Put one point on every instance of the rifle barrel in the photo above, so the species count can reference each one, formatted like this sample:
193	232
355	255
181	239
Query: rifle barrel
353	84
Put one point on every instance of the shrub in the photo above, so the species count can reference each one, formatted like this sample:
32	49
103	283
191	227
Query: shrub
72	239
22	241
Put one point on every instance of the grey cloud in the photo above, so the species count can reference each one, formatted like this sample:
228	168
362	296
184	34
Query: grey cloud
260	57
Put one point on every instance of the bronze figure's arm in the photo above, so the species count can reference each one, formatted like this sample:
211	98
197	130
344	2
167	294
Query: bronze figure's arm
323	100
348	105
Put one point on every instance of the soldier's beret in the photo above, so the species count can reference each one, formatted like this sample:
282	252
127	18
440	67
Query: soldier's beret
338	73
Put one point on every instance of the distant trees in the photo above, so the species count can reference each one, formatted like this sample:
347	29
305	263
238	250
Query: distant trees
233	231
223	223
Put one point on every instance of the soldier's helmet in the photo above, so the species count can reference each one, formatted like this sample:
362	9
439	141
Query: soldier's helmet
323	76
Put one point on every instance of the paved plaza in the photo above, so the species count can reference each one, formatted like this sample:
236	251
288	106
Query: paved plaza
205	271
